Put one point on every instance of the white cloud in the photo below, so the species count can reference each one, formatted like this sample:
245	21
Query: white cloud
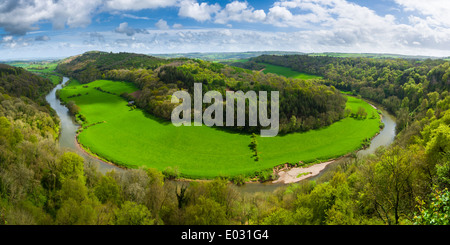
138	4
323	13
13	43
311	26
43	38
341	24
125	29
240	12
131	16
162	25
177	26
7	38
436	12
280	16
19	17
199	12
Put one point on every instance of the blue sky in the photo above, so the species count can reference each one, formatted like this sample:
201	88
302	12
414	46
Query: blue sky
47	28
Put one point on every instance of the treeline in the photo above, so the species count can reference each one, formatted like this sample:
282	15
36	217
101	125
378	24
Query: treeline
250	65
18	82
304	105
402	86
92	65
315	65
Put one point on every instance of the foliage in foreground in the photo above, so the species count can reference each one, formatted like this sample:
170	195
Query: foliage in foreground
406	183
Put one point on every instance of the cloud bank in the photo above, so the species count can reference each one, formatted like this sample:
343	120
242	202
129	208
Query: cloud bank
290	25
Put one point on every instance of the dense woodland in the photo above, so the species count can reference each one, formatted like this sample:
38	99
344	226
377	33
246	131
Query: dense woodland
304	105
405	87
18	82
406	183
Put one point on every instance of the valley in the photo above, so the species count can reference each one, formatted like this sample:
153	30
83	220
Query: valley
132	138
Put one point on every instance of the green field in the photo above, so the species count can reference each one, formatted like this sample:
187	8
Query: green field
43	66
288	72
133	138
44	69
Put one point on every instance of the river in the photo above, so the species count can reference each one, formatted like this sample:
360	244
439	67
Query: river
384	138
68	130
67	140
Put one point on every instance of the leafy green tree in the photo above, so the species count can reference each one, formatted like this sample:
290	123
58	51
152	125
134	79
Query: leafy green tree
73	108
171	173
280	217
293	122
75	213
439	143
437	211
71	166
5	129
76	206
361	113
132	213
443	171
157	193
390	184
254	146
108	190
206	212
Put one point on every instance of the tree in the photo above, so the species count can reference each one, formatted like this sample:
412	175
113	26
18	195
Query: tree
134	183
108	190
361	113
157	193
182	198
293	123
171	173
254	147
439	143
76	207
132	213
71	166
437	211
206	212
74	213
280	217
73	108
390	184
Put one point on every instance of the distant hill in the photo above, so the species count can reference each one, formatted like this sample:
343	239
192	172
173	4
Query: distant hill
374	55
220	56
91	65
233	56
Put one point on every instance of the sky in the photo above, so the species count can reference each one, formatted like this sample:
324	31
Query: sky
61	28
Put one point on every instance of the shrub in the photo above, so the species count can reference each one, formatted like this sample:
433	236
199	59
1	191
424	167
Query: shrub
171	173
265	175
238	180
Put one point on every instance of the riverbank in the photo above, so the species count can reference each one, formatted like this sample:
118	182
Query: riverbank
291	177
294	175
383	138
97	158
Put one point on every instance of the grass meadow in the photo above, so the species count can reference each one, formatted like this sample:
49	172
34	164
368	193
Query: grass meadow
43	69
134	139
288	72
